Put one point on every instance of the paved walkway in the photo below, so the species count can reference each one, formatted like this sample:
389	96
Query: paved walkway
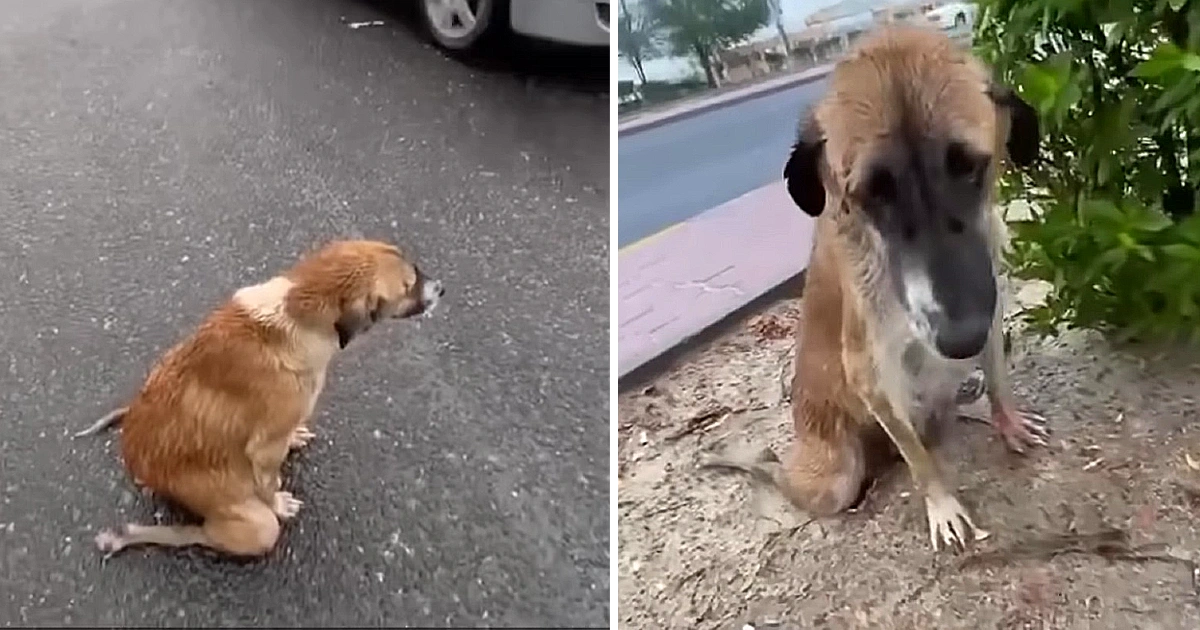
676	283
682	280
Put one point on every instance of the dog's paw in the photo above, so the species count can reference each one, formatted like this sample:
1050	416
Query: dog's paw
286	506
301	437
109	541
949	522
1020	429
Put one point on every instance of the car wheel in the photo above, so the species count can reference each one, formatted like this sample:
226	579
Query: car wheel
463	25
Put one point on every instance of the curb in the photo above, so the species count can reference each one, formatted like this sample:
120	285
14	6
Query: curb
711	265
651	121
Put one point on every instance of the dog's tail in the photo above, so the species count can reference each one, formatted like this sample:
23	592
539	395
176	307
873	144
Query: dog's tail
110	419
764	467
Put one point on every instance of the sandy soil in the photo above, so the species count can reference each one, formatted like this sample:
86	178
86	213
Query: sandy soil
1096	531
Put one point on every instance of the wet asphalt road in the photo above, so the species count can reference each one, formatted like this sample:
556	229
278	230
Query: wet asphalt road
671	173
154	156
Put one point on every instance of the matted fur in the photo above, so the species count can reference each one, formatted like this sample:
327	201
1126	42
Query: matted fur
854	400
218	413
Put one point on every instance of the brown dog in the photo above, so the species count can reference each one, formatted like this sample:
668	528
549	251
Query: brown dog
898	162
220	411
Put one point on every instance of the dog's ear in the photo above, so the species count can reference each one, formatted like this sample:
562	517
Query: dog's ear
803	169
357	318
1024	135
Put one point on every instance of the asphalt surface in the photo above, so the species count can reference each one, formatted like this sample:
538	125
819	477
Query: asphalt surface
155	156
675	171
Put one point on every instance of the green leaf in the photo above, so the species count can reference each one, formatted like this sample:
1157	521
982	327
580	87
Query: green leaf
1165	58
1150	221
1182	252
1106	262
1190	61
1040	87
1102	210
1182	89
1126	240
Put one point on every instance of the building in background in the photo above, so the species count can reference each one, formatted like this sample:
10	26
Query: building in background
815	30
799	34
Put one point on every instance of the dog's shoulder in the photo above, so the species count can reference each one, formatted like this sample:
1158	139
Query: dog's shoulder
264	311
265	303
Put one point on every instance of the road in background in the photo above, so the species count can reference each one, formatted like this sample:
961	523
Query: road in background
158	155
675	171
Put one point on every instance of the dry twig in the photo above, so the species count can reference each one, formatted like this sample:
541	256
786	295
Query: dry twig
698	422
1112	545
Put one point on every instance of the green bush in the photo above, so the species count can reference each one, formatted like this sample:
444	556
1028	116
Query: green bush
1117	87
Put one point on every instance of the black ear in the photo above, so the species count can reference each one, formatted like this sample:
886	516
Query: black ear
356	319
1024	135
803	169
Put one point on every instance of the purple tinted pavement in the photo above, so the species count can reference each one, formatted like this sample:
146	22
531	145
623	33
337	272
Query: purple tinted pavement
688	277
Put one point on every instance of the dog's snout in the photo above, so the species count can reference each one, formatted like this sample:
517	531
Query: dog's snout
963	339
433	289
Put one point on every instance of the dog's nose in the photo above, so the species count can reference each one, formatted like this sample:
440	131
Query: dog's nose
432	290
963	339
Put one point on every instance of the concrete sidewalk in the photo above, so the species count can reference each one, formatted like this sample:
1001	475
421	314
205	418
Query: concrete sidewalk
690	276
699	106
676	283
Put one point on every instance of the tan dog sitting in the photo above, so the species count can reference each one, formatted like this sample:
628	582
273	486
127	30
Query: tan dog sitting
902	298
220	411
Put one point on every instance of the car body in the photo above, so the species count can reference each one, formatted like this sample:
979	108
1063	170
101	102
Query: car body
578	22
952	15
461	25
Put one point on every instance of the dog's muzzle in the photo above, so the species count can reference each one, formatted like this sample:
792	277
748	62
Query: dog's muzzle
431	292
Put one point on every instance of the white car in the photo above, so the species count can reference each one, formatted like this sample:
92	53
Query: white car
952	15
461	25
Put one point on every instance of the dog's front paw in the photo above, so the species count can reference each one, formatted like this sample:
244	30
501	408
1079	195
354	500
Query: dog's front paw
1020	428
949	522
301	437
286	506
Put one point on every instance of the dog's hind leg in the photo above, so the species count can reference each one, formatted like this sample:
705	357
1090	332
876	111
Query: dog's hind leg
824	474
132	534
248	529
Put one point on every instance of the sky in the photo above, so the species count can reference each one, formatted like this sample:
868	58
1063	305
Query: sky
674	69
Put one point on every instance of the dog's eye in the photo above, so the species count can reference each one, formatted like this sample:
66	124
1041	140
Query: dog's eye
964	163
881	185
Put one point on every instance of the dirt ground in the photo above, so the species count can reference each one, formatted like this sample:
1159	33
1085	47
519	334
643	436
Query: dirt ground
1097	531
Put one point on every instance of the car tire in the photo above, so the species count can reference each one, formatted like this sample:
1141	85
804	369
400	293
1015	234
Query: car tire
492	22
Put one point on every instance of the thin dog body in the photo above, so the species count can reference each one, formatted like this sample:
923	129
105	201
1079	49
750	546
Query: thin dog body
219	412
902	294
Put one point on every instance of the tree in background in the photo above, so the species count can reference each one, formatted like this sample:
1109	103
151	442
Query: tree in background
1114	229
776	11
702	28
637	37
